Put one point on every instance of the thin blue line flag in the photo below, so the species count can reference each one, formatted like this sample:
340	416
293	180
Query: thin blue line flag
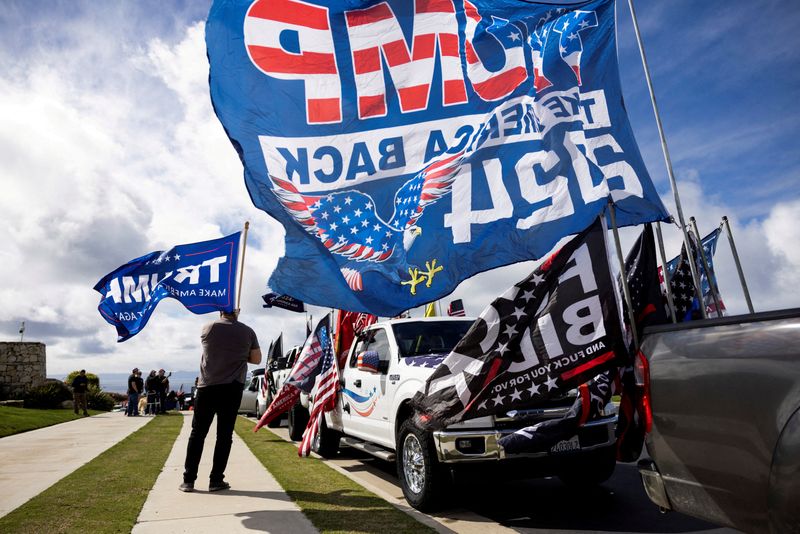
201	276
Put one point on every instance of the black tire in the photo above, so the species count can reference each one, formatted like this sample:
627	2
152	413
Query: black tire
298	419
275	423
590	468
422	477
326	444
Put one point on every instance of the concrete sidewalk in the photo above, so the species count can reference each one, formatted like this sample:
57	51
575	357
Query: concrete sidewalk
254	502
33	461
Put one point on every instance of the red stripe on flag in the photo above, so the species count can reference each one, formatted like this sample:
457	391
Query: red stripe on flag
650	308
396	53
502	84
369	15
448	44
588	365
275	60
291	12
366	60
454	92
424	45
414	98
434	6
495	367
585	405
324	110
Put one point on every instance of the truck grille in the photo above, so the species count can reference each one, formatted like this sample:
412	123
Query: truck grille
543	411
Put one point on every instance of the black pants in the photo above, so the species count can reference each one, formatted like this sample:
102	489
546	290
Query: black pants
223	401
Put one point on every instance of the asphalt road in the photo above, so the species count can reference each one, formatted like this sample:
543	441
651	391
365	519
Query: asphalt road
533	505
548	505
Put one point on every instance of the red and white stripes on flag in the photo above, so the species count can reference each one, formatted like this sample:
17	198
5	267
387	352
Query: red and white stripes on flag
309	365
324	400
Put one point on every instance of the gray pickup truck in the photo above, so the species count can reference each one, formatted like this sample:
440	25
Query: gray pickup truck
725	438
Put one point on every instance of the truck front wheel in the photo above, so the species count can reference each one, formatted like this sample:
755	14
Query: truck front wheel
326	442
298	419
422	477
590	468
275	423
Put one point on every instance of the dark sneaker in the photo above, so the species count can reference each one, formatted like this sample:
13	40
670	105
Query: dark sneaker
218	486
188	487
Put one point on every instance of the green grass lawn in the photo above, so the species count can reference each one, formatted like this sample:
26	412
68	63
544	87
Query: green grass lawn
333	502
105	495
16	420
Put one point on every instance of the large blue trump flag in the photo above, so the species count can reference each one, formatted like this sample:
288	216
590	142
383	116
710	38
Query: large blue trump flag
202	276
407	145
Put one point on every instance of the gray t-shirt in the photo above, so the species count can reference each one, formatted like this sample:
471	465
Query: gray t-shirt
226	348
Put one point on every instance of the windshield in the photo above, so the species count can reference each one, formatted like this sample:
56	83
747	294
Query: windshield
429	337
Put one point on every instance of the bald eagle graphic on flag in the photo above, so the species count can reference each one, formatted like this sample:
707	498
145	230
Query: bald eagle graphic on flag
347	224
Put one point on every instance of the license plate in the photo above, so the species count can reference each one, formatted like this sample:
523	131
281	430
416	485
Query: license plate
571	444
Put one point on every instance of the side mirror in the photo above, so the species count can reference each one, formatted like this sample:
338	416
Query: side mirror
370	362
253	386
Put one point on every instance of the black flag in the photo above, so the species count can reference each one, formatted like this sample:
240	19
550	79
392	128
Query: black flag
283	301
550	332
641	267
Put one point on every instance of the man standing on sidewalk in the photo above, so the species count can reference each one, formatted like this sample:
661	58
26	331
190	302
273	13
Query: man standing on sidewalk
133	393
79	386
228	346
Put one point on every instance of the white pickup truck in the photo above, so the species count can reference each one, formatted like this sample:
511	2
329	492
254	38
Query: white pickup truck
373	413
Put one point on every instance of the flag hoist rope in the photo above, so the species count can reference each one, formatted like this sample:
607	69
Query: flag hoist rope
241	265
670	172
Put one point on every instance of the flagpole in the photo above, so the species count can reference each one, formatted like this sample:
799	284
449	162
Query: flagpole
625	289
241	264
712	281
672	182
665	272
738	264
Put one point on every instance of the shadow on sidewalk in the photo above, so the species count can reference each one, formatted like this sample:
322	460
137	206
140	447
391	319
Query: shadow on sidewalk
276	521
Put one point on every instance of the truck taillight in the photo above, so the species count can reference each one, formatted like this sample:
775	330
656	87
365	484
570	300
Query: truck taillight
641	372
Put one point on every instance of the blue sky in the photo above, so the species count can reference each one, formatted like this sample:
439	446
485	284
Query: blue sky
109	149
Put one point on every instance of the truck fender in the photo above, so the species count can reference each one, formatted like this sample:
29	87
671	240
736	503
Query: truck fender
784	484
401	404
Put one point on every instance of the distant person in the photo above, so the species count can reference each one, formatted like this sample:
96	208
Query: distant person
80	384
163	389
228	346
151	387
140	386
133	393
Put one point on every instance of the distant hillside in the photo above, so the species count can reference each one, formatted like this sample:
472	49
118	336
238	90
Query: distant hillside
118	382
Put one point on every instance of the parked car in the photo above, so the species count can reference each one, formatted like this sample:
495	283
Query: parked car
373	413
278	370
253	398
725	439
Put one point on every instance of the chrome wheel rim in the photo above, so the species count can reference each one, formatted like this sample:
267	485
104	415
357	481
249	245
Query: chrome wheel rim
413	464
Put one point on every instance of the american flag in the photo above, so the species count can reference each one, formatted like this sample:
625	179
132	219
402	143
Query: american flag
327	387
362	321
301	377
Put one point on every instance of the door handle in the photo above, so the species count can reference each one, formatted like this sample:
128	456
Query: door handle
357	383
346	408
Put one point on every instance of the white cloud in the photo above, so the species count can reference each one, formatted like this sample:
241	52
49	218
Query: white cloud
110	149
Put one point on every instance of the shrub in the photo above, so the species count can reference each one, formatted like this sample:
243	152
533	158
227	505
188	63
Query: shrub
49	395
97	399
94	380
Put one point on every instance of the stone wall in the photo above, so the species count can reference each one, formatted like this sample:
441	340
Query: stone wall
23	365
